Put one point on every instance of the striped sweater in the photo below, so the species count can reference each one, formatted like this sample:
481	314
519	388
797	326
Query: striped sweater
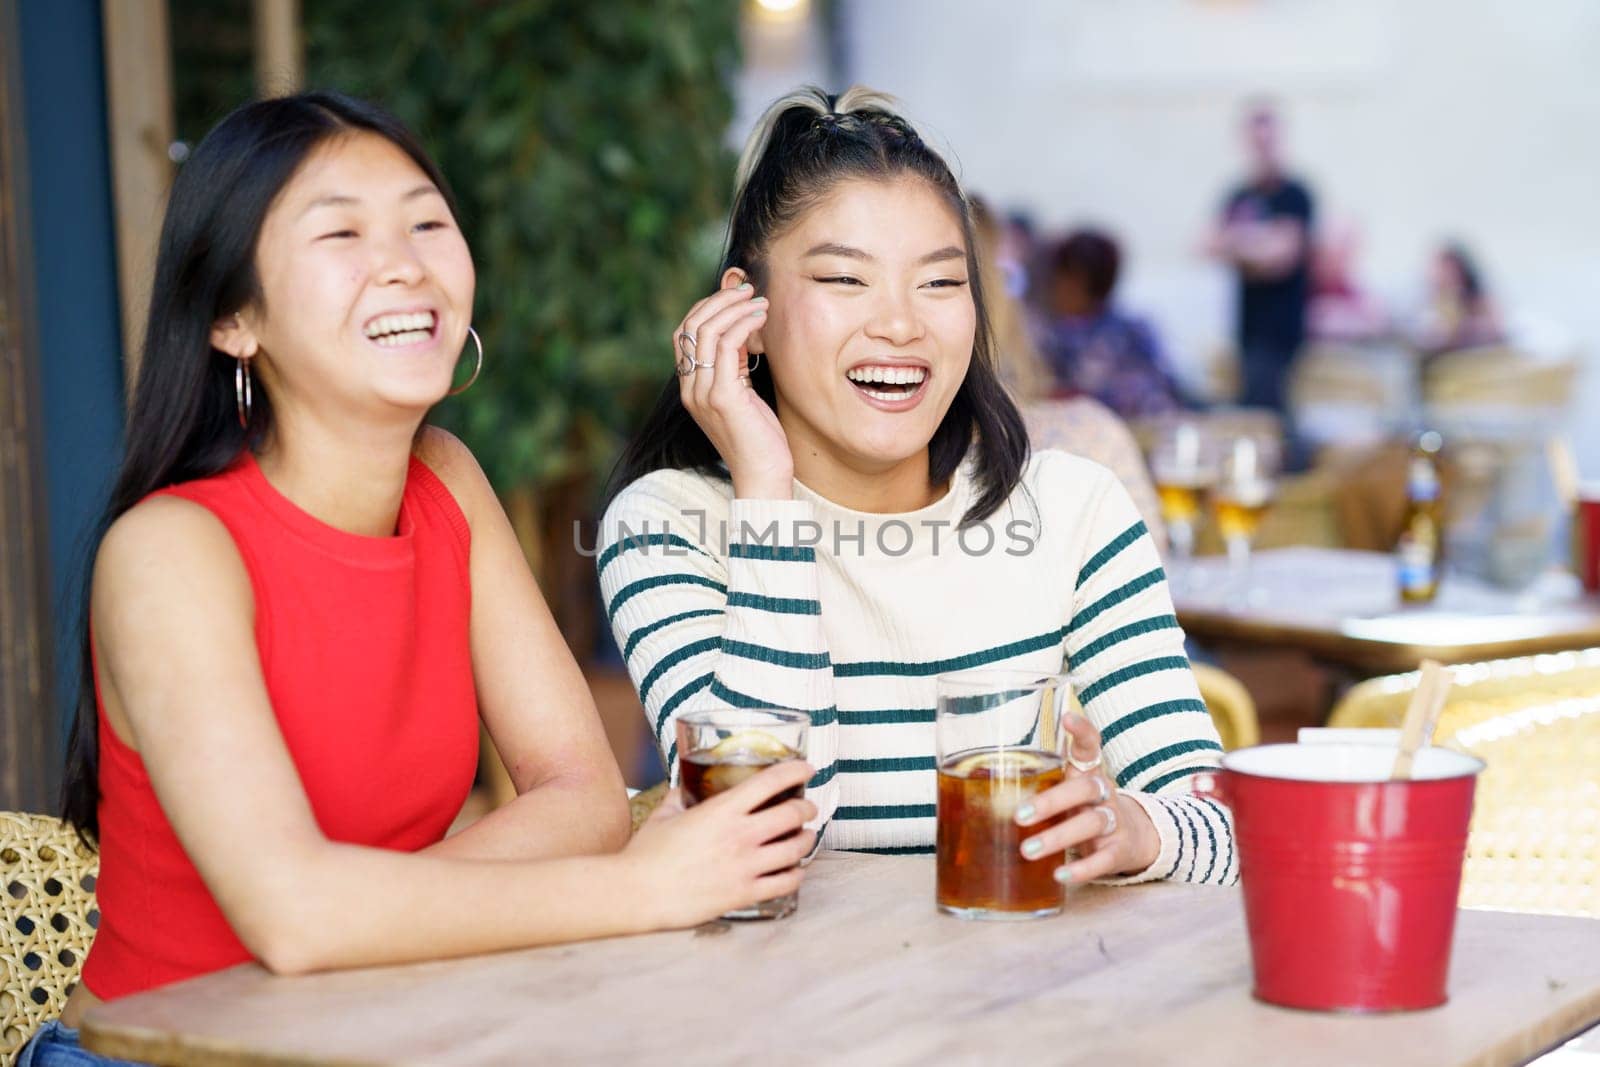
850	616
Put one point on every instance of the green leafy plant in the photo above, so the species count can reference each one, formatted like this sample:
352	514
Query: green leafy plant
585	143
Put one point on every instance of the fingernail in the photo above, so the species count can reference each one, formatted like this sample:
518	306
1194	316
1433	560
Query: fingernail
761	313
758	300
1025	814
1063	874
744	285
1032	847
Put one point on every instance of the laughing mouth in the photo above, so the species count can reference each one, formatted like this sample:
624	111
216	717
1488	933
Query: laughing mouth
396	329
888	383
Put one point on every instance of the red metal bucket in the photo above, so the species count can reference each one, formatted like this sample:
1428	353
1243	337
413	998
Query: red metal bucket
1350	880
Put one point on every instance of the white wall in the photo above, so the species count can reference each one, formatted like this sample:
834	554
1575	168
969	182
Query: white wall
1414	119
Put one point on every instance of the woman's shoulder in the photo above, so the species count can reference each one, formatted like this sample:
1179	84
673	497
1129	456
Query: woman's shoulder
671	495
447	458
168	544
1058	475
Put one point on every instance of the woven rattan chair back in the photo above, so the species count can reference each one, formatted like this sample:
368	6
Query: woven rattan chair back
1535	722
1499	376
1230	705
47	922
643	803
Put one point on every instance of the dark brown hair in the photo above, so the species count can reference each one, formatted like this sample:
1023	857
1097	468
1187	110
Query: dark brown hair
805	145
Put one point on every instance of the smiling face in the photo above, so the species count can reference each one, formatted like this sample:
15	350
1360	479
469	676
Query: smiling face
871	325
366	287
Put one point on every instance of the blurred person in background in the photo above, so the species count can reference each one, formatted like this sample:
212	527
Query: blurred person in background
1017	254
1077	424
1459	312
1091	347
1341	309
1264	234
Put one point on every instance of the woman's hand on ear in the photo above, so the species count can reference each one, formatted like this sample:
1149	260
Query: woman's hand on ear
711	349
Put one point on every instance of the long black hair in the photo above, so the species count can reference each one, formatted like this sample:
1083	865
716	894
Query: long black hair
804	145
183	423
1472	286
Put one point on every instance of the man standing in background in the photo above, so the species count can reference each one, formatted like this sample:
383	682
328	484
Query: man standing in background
1265	235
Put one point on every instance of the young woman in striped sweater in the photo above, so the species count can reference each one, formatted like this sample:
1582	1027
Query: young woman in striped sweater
834	503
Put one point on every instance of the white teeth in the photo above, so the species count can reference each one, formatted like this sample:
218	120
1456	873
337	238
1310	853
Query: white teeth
877	395
401	325
408	337
888	375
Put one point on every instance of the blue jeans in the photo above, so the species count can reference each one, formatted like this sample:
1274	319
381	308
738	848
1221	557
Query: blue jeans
54	1045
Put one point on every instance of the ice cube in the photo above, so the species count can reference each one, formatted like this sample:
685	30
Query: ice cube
751	746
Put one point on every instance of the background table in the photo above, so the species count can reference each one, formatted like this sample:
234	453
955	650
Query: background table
1344	607
868	972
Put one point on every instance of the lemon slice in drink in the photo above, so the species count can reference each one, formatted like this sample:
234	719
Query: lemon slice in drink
1008	763
751	746
1001	780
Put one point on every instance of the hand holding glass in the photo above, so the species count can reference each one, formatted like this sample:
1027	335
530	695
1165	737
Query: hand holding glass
720	747
997	735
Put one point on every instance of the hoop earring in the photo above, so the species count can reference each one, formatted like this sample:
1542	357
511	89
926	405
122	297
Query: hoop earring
241	391
476	370
754	362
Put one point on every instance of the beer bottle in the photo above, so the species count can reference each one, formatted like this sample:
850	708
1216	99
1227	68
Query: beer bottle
1419	552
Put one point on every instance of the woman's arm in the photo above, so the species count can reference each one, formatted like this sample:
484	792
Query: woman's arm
531	694
699	625
717	617
181	680
1130	671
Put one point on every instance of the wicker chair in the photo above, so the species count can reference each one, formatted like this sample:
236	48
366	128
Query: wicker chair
1497	394
47	922
1535	721
1498	376
642	803
1345	393
1230	706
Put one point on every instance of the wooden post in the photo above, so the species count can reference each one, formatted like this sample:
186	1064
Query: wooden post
280	51
139	110
27	776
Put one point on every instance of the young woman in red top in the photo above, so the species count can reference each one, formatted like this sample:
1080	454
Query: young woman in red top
305	598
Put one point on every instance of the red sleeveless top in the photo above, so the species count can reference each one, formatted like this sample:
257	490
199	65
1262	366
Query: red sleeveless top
364	648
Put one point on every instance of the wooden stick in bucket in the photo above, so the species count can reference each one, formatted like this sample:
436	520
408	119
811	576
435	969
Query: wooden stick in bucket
1422	715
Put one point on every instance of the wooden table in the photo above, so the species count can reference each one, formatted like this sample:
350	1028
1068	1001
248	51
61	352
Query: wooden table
1343	607
868	972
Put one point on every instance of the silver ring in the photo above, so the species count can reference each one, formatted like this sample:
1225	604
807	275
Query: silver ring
707	365
684	362
1083	766
1110	814
1105	789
